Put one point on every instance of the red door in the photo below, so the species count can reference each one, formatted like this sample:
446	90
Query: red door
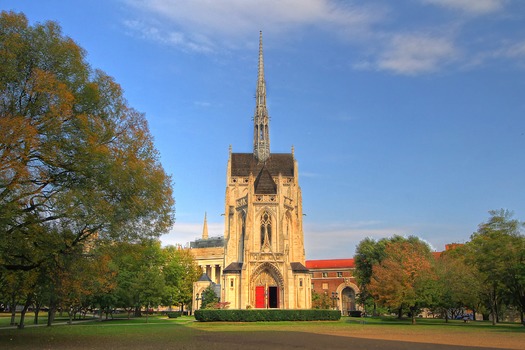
259	297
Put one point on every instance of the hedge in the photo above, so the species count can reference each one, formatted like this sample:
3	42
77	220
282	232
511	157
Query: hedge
255	315
174	314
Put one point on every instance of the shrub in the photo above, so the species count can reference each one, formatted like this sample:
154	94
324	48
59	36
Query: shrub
256	315
174	314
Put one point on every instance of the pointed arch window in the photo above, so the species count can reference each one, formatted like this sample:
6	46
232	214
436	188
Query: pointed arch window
266	229
242	236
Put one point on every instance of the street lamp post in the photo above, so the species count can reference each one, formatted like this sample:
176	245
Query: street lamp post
197	298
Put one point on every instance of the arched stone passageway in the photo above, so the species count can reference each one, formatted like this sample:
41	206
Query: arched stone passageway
267	287
348	302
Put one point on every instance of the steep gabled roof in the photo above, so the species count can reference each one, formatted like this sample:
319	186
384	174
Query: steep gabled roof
298	267
264	183
245	163
204	278
234	267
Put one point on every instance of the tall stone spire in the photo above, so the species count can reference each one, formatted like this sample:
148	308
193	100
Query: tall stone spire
261	120
205	228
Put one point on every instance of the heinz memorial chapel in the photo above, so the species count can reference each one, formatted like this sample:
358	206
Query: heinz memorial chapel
264	257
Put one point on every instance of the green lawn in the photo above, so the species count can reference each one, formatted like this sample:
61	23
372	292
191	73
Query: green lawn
185	333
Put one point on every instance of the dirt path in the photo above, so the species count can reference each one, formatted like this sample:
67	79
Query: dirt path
420	334
450	337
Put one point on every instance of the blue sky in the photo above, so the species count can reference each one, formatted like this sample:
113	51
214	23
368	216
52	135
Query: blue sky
407	117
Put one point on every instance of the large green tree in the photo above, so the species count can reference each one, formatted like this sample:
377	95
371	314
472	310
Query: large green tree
369	252
400	280
75	160
497	249
457	285
140	281
180	271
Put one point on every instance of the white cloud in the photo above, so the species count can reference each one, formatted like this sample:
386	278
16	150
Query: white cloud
412	54
157	33
207	26
473	7
183	233
515	50
506	51
213	23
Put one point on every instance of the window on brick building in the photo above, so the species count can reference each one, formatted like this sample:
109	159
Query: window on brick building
339	274
325	274
325	285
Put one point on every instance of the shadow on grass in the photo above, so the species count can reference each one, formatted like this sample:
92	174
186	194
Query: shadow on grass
187	334
485	326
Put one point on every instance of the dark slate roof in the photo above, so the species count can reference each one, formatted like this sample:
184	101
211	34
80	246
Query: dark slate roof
245	163
234	267
204	278
264	183
211	242
298	267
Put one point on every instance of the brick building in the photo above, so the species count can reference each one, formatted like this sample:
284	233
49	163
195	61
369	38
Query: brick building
334	278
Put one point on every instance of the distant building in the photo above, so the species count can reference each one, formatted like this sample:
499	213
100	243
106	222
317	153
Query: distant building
334	278
209	254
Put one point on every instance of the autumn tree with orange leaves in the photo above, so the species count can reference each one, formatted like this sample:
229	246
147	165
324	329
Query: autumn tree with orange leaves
75	160
399	280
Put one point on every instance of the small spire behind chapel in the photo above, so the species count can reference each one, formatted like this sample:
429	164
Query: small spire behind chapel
205	228
261	120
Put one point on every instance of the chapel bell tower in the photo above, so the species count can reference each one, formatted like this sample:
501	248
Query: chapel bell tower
263	229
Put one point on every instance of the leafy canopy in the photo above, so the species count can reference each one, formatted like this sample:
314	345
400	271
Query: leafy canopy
75	159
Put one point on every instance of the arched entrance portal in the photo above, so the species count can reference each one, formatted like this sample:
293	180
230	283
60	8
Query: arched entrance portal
267	289
348	300
266	297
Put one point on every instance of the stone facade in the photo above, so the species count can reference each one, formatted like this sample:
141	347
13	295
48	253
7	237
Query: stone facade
264	246
263	259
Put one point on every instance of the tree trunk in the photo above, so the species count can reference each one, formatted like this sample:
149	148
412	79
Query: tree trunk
70	315
400	312
35	320
51	313
493	303
494	312
12	307
37	310
413	314
24	310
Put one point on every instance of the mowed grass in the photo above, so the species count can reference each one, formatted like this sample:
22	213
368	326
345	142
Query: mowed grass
185	333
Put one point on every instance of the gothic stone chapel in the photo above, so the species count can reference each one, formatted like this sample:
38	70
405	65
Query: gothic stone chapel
264	254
